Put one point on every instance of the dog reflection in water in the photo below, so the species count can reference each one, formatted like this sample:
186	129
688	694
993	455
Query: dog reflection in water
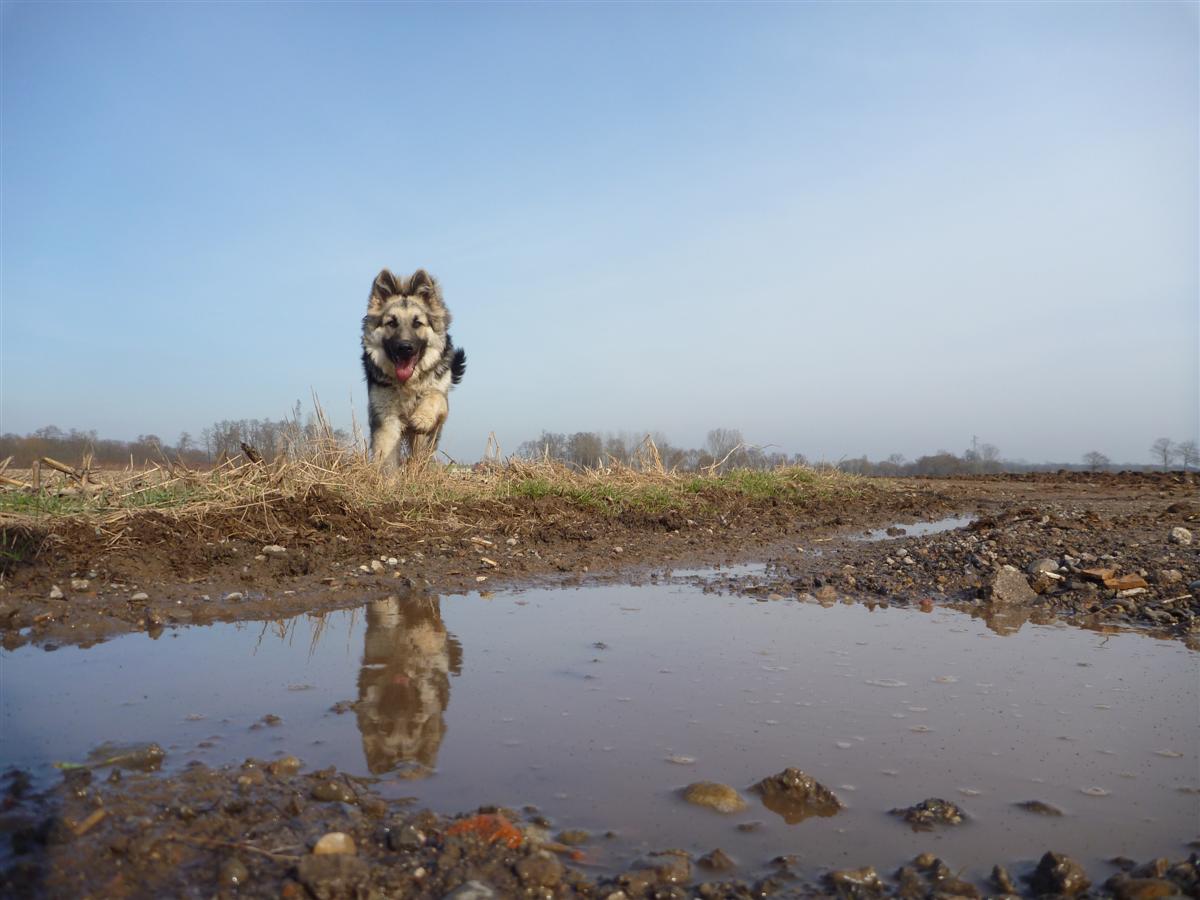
404	683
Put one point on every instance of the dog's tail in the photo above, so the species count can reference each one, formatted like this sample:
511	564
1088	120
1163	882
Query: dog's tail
458	365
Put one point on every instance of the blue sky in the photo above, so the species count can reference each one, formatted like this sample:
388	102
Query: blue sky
843	229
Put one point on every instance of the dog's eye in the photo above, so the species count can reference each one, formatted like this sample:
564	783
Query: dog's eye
390	322
416	323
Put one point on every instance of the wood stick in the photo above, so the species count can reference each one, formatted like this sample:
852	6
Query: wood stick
61	467
12	482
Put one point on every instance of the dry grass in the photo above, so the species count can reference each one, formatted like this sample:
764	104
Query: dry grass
327	469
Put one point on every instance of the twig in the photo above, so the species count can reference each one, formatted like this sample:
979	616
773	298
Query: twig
230	845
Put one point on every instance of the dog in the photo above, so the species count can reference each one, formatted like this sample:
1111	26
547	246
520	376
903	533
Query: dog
410	364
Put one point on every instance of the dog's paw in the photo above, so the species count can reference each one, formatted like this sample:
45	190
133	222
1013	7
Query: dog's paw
423	421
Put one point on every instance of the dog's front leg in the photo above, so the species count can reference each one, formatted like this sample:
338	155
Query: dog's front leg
385	441
425	426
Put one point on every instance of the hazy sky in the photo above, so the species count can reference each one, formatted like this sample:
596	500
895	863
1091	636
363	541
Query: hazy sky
843	229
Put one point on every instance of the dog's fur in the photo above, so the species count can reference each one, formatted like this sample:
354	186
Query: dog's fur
410	364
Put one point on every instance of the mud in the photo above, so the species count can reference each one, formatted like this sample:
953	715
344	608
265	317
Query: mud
79	582
941	661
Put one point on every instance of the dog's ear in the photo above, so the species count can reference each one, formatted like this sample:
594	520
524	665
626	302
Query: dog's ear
424	285
386	285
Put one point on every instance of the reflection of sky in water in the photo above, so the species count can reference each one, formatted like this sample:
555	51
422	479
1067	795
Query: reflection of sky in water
511	701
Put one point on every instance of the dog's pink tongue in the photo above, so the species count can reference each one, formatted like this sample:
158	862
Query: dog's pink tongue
404	371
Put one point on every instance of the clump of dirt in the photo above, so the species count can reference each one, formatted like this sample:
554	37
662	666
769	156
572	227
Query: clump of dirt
796	796
933	811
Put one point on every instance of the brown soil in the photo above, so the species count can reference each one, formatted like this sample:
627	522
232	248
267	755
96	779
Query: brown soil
210	566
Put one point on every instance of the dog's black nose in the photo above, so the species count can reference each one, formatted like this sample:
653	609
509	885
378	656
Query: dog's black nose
404	349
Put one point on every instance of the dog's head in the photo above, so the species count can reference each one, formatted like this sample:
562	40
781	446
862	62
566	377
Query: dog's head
405	327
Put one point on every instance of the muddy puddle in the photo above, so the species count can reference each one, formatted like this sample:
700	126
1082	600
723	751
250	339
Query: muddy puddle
598	705
916	529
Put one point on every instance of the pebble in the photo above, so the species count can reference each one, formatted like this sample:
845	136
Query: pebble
234	596
1059	874
1180	535
377	566
853	881
274	550
81	584
332	791
716	861
541	870
56	592
335	843
287	765
233	873
1042	809
471	890
714	795
1010	586
140	597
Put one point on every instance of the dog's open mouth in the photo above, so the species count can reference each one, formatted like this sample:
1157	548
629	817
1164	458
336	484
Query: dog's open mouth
404	368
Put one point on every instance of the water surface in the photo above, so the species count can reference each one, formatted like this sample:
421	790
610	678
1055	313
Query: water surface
598	704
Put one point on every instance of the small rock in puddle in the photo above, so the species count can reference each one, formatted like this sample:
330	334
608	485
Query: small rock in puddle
796	796
716	861
854	882
1037	806
930	812
1058	874
714	795
134	757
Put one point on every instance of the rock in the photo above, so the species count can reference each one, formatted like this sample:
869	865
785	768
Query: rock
854	881
55	592
1044	565
1037	806
332	791
1180	535
82	584
826	592
233	873
1125	888
139	597
287	765
1100	575
1002	881
1059	874
274	550
333	877
234	596
407	837
573	837
1011	587
377	566
471	890
1168	577
1125	582
929	812
542	869
668	866
714	795
796	796
716	860
333	844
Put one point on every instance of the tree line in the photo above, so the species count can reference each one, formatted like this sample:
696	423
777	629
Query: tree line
272	438
723	448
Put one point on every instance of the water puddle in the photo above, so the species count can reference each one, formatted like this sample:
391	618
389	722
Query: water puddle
918	529
597	705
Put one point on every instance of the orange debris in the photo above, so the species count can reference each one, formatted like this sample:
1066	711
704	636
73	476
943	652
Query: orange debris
490	828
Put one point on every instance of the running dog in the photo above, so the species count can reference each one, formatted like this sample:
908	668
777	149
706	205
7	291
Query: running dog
410	363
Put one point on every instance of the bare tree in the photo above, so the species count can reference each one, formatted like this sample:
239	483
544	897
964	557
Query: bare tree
1163	450
1188	453
1095	460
